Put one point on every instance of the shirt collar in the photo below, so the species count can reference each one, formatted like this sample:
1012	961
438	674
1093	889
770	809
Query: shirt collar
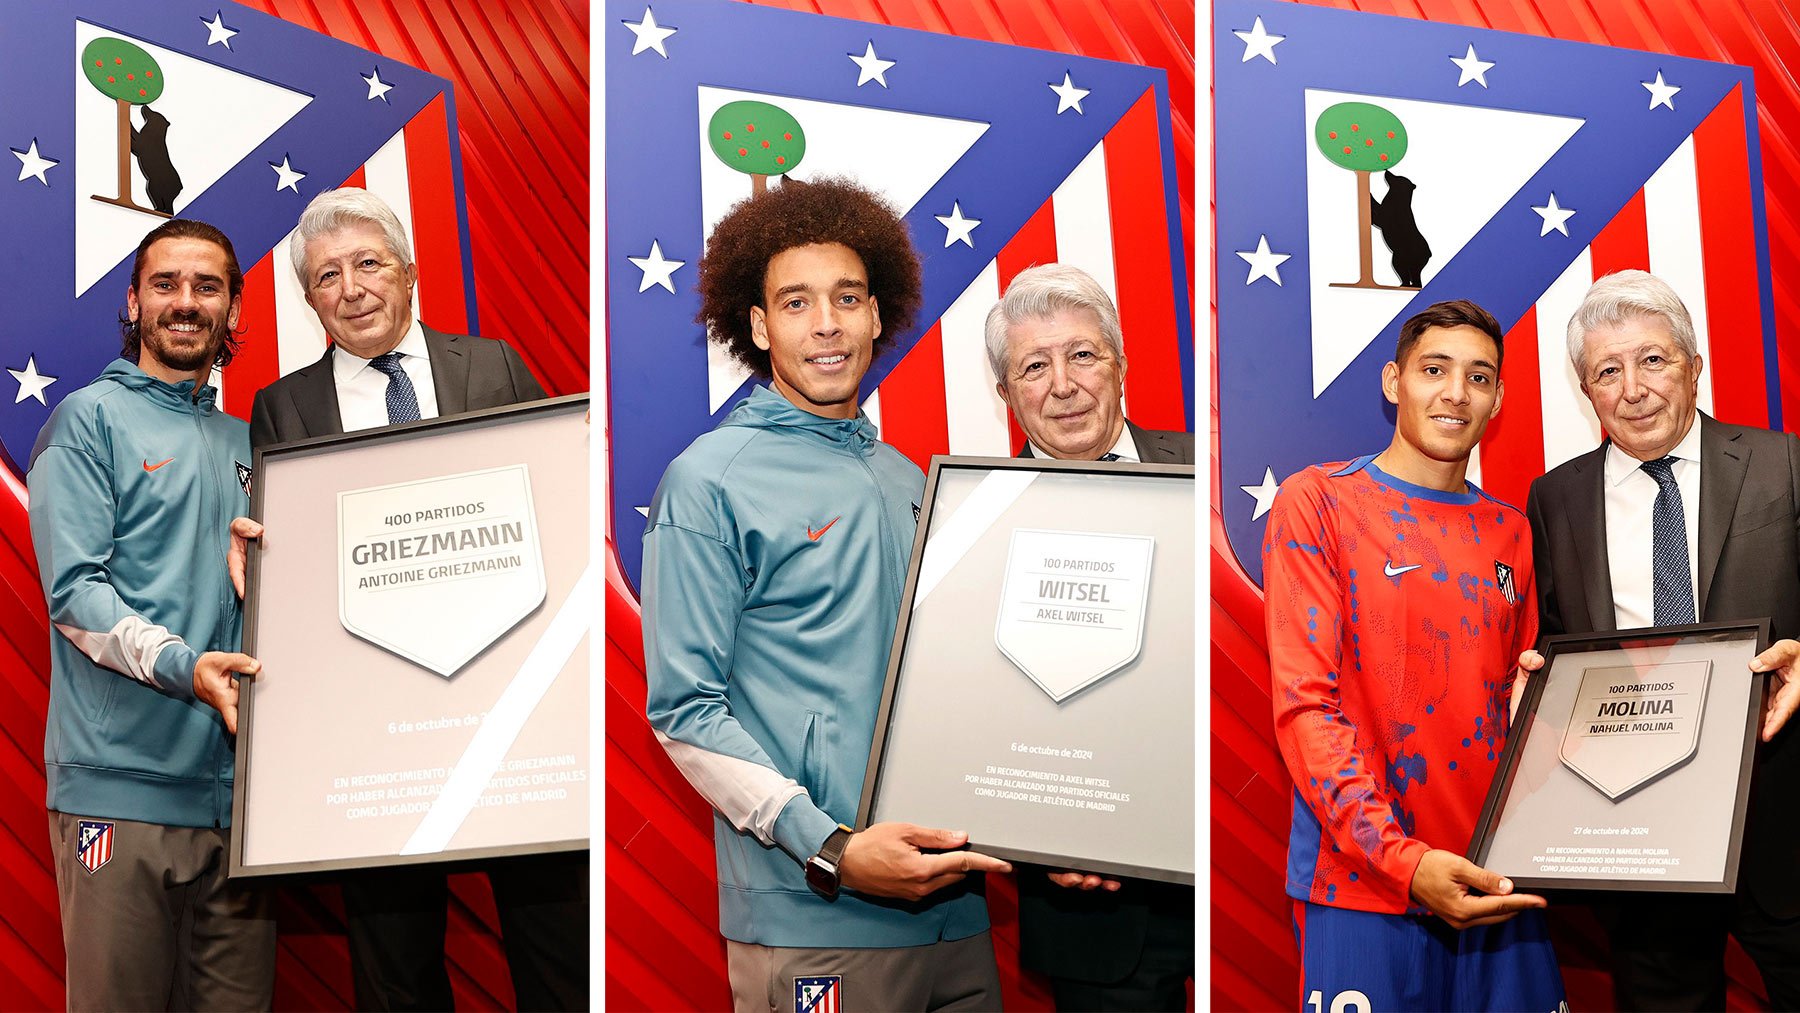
1620	465
345	365
1124	446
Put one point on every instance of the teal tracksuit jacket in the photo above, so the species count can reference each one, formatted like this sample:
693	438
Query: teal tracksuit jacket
774	562
133	485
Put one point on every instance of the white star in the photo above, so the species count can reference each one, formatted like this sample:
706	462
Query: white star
1264	493
870	67
1068	96
1661	92
378	88
216	32
33	164
1554	217
1263	263
1258	42
31	382
1473	68
650	35
286	176
657	269
956	227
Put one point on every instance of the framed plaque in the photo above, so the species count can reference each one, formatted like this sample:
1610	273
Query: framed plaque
1040	692
1630	761
420	603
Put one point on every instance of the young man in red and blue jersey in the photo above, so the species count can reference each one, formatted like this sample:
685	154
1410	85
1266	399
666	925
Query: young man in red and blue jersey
1398	597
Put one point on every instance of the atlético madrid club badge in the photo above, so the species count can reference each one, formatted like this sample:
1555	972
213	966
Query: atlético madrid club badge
1504	575
93	844
820	993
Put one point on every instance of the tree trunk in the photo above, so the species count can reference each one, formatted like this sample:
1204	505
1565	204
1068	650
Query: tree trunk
1364	232
759	184
124	151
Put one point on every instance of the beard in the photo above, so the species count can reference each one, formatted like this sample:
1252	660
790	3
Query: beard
184	352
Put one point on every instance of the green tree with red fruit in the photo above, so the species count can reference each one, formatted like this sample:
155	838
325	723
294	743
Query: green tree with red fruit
758	139
129	76
1364	138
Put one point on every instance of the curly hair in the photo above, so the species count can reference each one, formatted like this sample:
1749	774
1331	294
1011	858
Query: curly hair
829	210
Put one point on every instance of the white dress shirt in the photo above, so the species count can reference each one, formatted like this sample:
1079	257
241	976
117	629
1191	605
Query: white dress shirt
1125	447
1630	528
362	389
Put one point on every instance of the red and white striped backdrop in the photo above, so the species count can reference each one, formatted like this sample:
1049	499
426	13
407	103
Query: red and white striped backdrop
1709	258
411	172
1108	219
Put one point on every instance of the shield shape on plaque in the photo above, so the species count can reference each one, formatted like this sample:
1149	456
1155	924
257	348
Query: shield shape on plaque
1072	606
439	569
1631	725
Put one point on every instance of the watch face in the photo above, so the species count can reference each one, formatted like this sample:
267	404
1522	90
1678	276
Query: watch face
821	877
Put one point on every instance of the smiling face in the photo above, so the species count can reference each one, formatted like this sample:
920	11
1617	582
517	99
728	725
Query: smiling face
1063	382
1447	390
1643	387
359	288
818	323
182	303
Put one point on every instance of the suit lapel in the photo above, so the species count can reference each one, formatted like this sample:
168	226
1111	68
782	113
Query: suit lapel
449	372
1723	465
317	385
1587	521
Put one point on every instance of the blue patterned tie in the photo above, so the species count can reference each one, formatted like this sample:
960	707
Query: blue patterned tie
1671	587
403	401
1109	457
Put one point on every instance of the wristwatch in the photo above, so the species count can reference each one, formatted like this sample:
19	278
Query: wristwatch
822	868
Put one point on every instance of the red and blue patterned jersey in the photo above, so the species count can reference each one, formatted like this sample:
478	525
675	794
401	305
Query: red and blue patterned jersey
1395	615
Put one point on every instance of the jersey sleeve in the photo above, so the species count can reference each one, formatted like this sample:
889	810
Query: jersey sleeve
1304	593
72	509
695	588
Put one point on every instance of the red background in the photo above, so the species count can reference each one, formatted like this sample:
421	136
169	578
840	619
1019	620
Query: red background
1253	955
663	949
521	80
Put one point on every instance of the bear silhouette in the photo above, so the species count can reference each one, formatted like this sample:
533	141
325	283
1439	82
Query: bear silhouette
151	146
1394	217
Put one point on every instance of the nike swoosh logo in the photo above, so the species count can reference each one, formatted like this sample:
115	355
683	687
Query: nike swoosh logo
1395	571
152	467
815	535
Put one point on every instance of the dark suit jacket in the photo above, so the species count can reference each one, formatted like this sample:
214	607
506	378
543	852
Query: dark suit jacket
1155	446
468	374
1095	936
1749	560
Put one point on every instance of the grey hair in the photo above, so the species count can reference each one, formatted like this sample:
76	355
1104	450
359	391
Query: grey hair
340	208
1622	296
1043	291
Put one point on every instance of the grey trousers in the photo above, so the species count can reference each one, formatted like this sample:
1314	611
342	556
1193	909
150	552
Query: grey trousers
157	926
954	975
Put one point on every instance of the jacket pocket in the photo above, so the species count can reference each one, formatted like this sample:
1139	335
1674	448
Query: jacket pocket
812	758
1761	517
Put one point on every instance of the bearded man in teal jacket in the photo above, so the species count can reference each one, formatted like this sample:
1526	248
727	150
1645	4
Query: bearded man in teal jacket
135	483
774	562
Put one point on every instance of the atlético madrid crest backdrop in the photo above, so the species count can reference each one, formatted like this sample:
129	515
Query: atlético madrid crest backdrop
1368	166
1007	135
471	121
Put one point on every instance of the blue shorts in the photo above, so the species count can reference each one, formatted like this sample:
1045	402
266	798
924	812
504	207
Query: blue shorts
1361	962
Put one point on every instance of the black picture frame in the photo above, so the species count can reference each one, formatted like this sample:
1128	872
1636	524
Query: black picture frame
572	410
890	752
1572	862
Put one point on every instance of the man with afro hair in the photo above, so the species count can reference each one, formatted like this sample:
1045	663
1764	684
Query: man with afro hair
774	560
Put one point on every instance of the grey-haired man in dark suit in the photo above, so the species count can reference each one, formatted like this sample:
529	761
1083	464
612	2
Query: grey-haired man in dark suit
1679	518
385	367
1058	357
